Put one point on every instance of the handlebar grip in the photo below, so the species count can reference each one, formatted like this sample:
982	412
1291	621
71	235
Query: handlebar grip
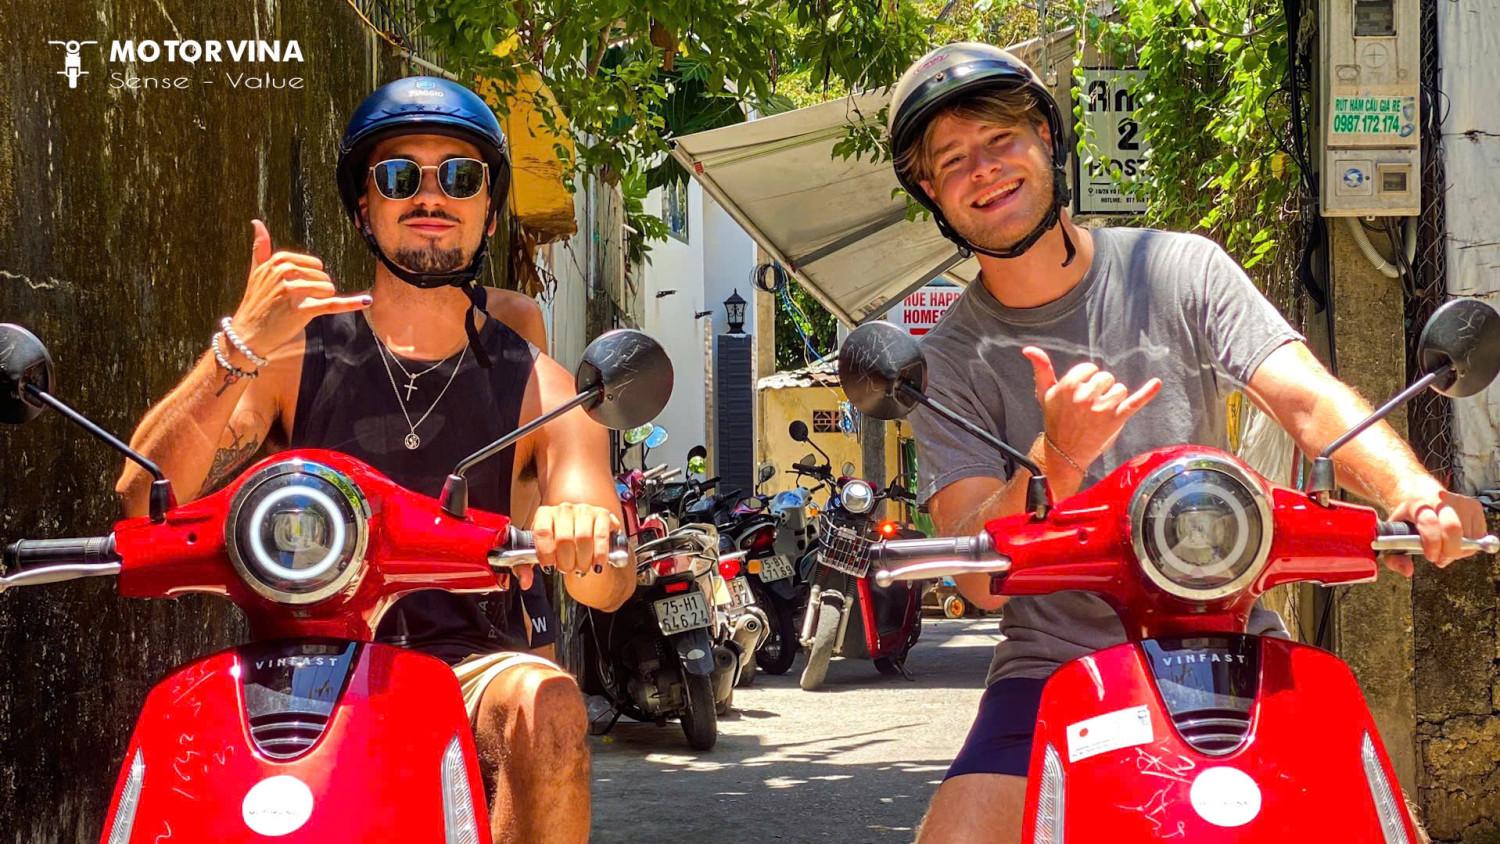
1402	538
524	540
926	559
1385	528
87	550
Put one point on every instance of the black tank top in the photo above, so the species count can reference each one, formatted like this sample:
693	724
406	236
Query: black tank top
347	403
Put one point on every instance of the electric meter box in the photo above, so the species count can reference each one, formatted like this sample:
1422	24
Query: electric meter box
1371	108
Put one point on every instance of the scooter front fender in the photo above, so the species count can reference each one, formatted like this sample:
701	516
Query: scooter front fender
696	651
1294	753
199	768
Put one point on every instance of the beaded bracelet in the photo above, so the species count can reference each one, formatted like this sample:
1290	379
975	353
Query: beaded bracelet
235	373
227	324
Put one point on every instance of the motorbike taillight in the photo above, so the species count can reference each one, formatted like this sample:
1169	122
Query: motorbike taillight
666	567
760	542
729	568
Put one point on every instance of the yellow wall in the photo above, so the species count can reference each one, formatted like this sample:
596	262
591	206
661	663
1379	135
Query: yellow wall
778	408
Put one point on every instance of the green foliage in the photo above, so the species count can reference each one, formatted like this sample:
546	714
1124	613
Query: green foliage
816	322
1212	111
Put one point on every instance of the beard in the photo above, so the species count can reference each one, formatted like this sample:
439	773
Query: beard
1034	206
430	259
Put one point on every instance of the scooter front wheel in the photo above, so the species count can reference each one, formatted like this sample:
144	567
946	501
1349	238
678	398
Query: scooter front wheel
821	652
700	723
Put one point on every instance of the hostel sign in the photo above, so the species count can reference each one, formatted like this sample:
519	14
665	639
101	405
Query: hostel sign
921	309
1108	100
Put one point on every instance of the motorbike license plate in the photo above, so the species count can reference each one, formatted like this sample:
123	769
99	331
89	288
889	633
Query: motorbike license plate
681	613
743	597
775	568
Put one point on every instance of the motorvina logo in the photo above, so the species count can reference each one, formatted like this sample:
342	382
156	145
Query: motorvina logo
177	52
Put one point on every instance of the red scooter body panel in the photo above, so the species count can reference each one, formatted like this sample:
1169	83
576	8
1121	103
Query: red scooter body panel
1302	752
414	545
374	775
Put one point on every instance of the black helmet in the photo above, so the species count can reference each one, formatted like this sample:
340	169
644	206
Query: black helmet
944	77
425	105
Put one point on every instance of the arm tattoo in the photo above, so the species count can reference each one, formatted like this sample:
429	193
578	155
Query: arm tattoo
227	461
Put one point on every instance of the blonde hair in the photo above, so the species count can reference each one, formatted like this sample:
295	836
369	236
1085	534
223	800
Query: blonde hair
1000	107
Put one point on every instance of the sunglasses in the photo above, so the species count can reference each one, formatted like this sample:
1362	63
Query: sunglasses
401	178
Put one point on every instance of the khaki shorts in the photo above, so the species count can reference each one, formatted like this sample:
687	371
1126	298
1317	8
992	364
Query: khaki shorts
477	672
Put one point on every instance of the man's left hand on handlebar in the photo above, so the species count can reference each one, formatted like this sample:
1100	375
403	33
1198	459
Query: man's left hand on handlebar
1442	518
574	537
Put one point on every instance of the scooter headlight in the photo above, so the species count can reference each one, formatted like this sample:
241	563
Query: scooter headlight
297	531
857	496
1201	527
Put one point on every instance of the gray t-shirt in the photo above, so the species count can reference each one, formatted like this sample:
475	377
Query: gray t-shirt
1152	304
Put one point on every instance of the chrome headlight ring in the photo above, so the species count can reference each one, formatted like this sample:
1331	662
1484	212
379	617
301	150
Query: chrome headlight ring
1201	517
857	496
297	532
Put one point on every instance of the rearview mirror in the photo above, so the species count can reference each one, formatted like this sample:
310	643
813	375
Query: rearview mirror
624	380
808	461
638	434
23	360
797	431
1464	334
633	375
879	367
658	438
767	472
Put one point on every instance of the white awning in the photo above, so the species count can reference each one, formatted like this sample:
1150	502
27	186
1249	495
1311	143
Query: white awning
839	226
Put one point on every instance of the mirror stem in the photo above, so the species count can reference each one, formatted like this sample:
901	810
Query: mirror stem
161	488
1321	480
1038	493
455	497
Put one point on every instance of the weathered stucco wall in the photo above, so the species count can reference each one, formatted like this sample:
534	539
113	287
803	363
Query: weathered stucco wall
1374	621
1425	650
124	235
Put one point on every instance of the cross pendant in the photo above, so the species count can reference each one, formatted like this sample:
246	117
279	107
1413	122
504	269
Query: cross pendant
411	385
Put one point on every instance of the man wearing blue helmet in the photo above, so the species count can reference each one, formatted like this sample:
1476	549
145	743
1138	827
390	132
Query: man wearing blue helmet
412	375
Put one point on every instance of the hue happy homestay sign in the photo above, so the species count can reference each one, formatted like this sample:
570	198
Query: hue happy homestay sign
921	309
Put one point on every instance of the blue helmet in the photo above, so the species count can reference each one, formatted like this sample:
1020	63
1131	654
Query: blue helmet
424	105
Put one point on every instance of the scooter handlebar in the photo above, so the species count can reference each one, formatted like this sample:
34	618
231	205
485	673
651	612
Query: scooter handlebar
520	550
59	560
926	559
1401	537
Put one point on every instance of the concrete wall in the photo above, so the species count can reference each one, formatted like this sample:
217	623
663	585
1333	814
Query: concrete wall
717	256
124	236
1374	621
776	409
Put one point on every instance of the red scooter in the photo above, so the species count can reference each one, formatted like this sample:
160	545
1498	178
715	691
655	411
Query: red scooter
1191	730
887	618
310	732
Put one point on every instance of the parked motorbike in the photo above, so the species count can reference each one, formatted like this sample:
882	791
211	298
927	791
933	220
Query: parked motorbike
1191	729
654	658
640	658
310	731
887	618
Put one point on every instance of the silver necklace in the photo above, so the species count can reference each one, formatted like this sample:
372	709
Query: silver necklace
412	441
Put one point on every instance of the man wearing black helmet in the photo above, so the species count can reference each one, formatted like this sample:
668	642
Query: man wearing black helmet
411	376
1152	332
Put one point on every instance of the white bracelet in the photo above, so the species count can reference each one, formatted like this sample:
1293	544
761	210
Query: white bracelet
235	373
227	323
